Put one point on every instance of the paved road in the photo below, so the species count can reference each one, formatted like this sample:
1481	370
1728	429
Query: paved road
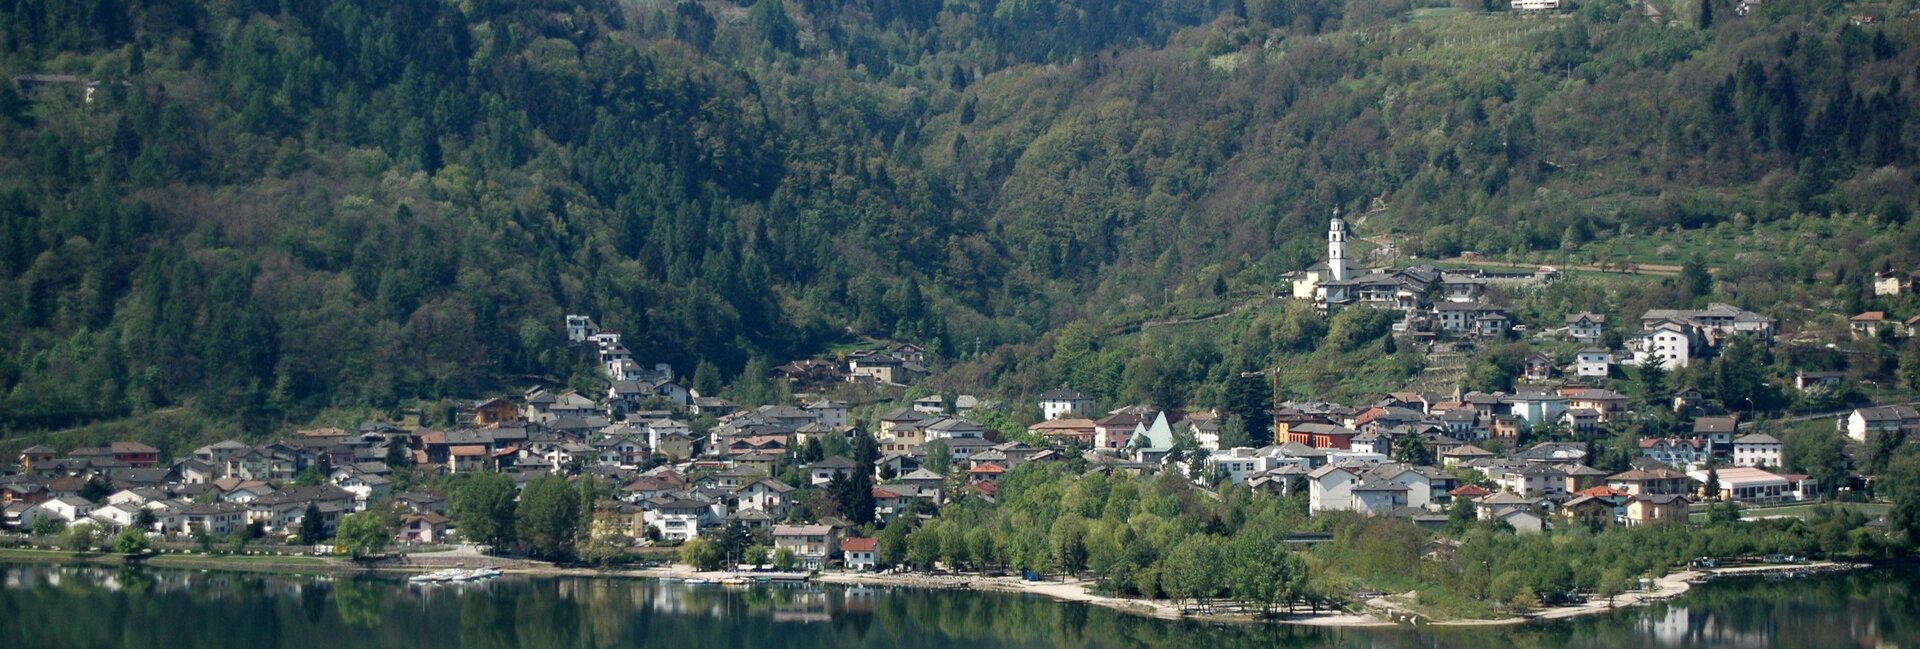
1832	414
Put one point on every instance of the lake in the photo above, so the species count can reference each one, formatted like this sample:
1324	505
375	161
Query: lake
83	607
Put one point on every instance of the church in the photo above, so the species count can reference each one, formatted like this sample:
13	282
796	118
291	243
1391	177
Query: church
1340	280
1337	268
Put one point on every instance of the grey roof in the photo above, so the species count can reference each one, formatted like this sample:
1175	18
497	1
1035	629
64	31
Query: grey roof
776	485
923	474
1064	394
834	462
1888	413
1715	425
956	424
1757	438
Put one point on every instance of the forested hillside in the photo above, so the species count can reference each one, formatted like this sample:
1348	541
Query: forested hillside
271	208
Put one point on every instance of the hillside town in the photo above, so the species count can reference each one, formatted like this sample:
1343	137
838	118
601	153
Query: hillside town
681	466
807	477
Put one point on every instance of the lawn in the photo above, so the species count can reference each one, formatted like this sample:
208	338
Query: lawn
1801	511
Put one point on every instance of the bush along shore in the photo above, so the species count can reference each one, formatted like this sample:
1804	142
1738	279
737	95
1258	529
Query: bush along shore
1239	574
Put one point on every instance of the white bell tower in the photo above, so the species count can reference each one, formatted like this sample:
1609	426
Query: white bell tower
1337	247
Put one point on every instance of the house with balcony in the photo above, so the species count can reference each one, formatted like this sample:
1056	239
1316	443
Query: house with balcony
813	545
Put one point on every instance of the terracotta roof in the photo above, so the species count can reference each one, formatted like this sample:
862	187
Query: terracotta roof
859	544
1601	491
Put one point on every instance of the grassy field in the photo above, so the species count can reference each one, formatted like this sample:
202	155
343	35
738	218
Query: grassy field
1800	511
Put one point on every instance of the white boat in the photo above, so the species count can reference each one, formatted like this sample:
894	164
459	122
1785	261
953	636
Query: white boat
697	581
438	576
487	573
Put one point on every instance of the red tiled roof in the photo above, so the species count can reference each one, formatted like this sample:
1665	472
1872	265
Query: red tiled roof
858	544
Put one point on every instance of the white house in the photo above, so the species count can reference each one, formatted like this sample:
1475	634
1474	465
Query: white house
663	427
1592	361
859	553
1534	481
366	488
1064	403
1676	451
116	516
824	471
1205	431
1580	420
955	428
1585	325
1668	344
828	412
1757	450
1330	488
1538	406
767	495
677	519
1464	316
1885	418
216	519
1418	481
581	328
69	508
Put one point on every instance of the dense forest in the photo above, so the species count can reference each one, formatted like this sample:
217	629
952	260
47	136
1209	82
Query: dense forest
265	210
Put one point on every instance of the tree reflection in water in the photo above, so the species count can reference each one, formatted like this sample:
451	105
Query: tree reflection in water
77	608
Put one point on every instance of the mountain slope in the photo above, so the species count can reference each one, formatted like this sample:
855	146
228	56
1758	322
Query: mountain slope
271	209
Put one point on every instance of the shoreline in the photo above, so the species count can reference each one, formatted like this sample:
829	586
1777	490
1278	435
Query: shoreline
1387	611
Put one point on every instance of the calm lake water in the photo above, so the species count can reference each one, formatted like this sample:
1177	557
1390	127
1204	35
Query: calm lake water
77	607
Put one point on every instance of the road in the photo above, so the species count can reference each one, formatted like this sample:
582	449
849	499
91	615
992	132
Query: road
1664	270
1828	415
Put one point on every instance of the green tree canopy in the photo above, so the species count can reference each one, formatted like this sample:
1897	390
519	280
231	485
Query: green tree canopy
547	520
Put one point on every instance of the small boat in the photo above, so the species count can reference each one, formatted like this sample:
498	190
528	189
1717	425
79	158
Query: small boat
440	576
696	581
736	580
487	573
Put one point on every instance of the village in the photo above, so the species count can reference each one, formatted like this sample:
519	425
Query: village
809	480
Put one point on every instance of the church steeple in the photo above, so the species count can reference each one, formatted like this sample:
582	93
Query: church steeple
1337	247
